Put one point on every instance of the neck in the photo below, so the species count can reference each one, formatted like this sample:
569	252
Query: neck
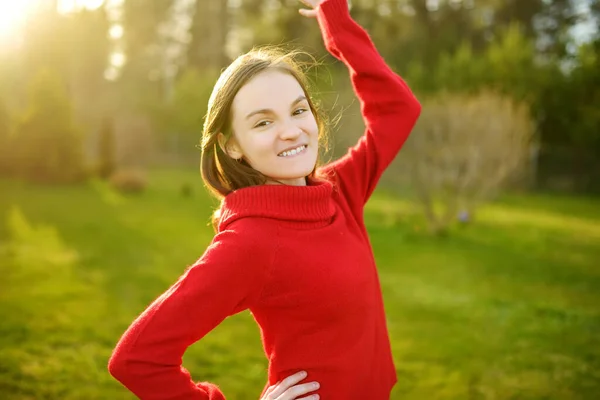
288	182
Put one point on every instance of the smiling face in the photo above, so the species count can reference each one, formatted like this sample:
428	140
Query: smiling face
274	129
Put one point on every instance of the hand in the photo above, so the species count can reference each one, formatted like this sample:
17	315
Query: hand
288	390
313	4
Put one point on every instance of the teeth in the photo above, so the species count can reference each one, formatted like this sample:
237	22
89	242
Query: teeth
292	152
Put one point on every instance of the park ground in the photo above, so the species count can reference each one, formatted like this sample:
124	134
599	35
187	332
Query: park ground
506	308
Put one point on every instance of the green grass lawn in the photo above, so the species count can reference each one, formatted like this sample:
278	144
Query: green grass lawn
508	308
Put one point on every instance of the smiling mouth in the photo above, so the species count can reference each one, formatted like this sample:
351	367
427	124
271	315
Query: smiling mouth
293	152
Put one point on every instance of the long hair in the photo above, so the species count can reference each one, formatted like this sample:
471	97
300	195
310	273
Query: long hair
221	173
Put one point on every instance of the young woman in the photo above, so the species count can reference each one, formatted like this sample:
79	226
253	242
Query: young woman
291	243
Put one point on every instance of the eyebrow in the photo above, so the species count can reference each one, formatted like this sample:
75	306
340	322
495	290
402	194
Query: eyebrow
268	110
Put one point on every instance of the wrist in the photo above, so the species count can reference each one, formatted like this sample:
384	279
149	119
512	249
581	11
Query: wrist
334	15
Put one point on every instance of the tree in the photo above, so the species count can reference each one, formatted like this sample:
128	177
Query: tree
510	66
88	60
570	122
107	158
46	42
181	119
145	45
459	72
48	146
262	22
464	149
4	139
73	45
521	13
554	22
209	29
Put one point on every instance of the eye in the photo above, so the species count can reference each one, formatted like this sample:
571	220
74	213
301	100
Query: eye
262	123
300	111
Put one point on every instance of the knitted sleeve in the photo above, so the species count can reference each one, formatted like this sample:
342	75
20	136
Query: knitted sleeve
388	106
227	279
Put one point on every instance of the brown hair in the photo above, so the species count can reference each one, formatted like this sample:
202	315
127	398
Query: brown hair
221	173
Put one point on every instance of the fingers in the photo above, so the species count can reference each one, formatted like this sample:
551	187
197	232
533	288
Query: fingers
311	397
289	389
299	390
312	13
309	3
308	13
270	390
287	383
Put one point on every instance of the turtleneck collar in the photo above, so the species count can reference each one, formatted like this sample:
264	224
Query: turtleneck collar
304	206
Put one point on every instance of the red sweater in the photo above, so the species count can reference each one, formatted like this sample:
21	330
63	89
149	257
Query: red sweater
298	257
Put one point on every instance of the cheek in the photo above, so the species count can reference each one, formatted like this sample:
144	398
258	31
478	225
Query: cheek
258	146
311	126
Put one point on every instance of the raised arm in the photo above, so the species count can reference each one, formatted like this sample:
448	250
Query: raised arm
388	106
227	279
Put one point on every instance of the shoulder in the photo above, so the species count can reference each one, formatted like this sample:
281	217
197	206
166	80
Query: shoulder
237	256
248	239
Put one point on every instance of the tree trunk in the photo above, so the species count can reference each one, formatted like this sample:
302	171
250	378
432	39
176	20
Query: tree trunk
209	35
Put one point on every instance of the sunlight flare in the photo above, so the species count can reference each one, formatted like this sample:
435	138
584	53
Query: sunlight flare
13	14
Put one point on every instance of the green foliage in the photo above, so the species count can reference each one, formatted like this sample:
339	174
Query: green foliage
276	22
419	77
505	309
585	79
507	65
48	146
107	149
516	47
190	100
181	119
142	20
462	71
510	64
73	45
208	35
569	108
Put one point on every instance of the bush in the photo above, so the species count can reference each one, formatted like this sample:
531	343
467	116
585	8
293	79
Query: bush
464	149
48	147
129	181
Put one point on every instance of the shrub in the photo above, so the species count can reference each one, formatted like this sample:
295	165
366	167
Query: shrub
129	181
464	149
48	147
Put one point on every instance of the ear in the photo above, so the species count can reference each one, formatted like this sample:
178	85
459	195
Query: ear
230	147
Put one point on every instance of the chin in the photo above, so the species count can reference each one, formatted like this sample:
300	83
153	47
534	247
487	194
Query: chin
298	174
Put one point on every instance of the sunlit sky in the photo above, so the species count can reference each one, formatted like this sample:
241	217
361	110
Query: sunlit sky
13	13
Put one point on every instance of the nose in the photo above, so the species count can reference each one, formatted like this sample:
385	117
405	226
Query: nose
290	131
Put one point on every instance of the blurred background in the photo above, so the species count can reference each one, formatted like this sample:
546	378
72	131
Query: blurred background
486	228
